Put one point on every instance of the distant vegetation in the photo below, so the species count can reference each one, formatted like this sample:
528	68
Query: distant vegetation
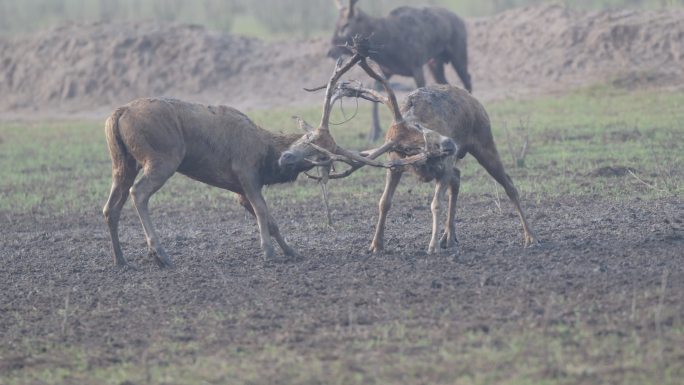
264	18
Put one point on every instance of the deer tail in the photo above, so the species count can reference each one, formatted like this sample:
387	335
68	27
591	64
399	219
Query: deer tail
117	149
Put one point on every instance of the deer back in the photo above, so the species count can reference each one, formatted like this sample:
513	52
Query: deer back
407	38
212	144
449	110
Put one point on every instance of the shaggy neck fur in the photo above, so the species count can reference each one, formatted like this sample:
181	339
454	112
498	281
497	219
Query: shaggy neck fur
272	173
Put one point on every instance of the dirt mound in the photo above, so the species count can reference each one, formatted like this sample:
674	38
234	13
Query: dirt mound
79	68
549	46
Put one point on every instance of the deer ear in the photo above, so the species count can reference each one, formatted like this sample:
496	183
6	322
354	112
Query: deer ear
302	124
350	9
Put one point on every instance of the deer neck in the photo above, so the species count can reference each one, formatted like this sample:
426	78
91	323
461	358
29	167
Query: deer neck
272	173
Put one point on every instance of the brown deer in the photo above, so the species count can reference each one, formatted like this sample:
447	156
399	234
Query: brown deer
453	112
217	145
404	41
447	110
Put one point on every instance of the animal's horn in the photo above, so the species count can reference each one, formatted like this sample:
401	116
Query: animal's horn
302	124
340	69
392	98
350	9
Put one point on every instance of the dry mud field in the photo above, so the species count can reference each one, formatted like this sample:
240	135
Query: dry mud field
599	301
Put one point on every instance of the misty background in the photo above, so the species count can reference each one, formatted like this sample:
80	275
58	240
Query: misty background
267	19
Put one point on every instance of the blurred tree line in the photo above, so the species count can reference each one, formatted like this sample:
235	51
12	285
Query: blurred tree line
264	18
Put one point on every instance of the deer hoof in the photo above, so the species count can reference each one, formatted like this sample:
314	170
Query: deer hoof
447	242
162	259
128	267
432	250
531	241
293	255
376	249
269	254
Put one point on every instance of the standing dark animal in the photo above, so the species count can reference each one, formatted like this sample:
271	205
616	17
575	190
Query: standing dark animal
217	145
404	41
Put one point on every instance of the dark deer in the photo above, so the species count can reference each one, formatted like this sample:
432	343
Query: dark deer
404	41
219	146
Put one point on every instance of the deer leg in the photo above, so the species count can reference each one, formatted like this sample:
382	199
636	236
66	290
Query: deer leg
376	130
154	176
449	237
457	54
272	227
419	76
440	188
122	180
391	181
461	68
436	66
492	163
256	200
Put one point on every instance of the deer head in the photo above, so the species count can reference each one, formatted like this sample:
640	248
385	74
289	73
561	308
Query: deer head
407	139
350	23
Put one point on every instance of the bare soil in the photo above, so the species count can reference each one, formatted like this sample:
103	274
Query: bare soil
603	259
86	70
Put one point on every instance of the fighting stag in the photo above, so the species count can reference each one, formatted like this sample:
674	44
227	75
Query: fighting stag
455	113
404	41
217	145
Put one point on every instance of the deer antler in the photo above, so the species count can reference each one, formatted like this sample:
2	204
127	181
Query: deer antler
339	71
391	97
347	90
361	49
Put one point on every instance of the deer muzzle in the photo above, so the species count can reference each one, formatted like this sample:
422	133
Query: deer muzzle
289	159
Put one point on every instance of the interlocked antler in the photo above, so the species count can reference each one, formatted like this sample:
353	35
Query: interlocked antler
340	153
361	49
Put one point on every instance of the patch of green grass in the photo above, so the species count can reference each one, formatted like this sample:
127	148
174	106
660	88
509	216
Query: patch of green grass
63	168
394	352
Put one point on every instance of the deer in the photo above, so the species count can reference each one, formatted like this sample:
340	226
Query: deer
449	111
216	145
404	41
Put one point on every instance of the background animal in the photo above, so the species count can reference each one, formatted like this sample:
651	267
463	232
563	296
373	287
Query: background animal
404	41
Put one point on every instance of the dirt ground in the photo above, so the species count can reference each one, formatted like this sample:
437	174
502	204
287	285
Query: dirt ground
608	261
